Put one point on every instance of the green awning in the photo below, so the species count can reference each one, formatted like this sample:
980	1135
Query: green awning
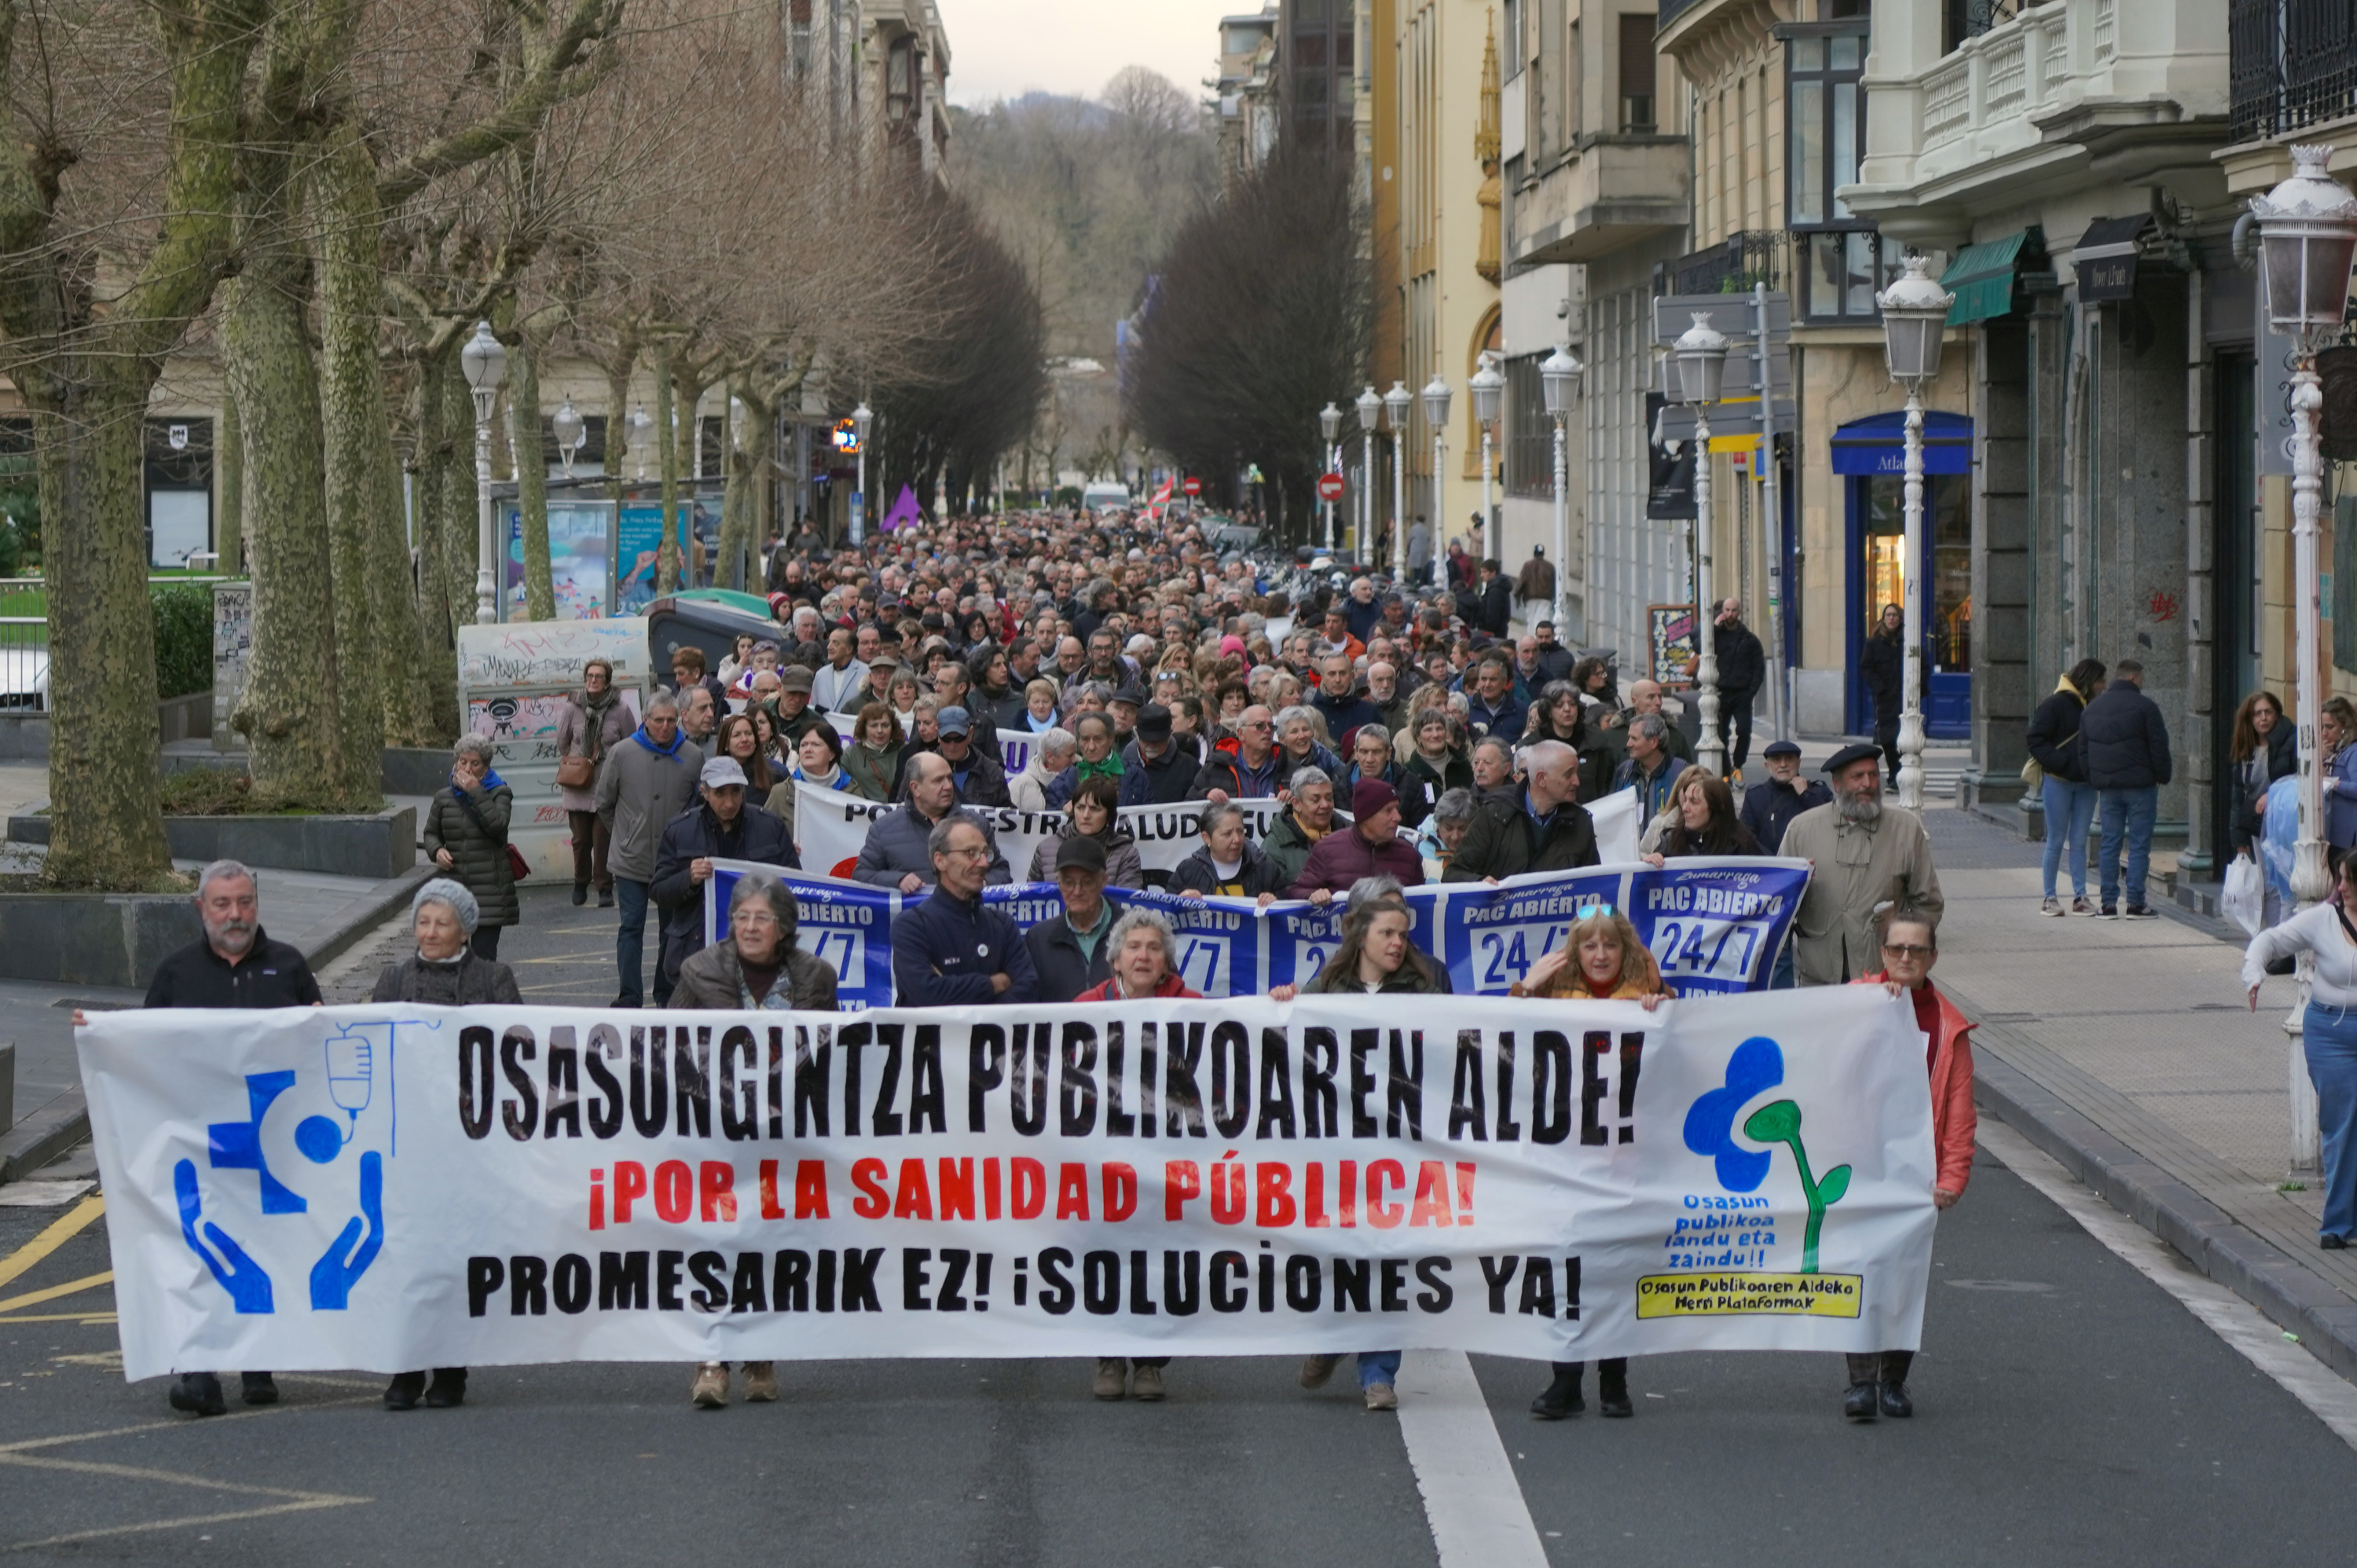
1981	277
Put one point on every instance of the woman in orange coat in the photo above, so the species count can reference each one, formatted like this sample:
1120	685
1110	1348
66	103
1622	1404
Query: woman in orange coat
1601	960
1911	946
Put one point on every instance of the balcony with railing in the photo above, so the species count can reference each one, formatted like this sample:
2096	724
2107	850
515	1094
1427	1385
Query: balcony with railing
2294	65
1732	266
2026	81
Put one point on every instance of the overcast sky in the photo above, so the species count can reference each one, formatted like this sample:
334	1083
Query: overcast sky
1003	48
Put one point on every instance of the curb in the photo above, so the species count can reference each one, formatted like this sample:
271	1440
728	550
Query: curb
43	1136
2323	1319
64	1122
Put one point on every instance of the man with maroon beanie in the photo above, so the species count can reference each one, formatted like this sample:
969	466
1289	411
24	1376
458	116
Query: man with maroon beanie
1371	847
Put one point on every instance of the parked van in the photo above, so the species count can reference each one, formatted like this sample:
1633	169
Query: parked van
1106	496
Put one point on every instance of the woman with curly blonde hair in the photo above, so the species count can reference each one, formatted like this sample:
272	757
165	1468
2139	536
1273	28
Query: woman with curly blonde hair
1601	960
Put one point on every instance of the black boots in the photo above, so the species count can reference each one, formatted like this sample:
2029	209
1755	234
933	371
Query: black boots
1561	1397
1877	1386
199	1393
448	1388
258	1388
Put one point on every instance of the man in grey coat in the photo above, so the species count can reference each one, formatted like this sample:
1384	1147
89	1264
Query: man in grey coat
1861	852
644	782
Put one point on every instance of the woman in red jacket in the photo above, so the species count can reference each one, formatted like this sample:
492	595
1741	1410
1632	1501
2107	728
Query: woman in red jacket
1145	964
1911	946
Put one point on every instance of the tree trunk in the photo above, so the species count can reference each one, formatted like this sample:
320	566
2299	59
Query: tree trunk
106	827
669	576
460	516
531	475
437	640
288	711
381	700
740	502
229	464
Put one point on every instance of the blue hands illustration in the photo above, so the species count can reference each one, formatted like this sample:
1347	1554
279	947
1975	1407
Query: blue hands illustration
332	1277
1756	1065
247	1284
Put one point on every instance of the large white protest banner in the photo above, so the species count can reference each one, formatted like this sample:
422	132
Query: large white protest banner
394	1186
830	826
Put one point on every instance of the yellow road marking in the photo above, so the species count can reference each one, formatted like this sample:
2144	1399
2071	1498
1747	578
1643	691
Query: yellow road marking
50	1239
61	1317
306	1504
35	1298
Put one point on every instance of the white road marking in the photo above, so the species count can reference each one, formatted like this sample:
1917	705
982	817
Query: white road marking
1471	1497
2327	1396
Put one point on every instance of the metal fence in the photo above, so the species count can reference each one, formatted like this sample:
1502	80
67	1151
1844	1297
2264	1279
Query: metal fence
2291	64
25	638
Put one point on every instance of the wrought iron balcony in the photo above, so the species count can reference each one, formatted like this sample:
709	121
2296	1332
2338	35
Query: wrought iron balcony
2293	64
1733	267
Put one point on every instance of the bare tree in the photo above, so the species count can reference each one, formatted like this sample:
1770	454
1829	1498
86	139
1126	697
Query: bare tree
1259	315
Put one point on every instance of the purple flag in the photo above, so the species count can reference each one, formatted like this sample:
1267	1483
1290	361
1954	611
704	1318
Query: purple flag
905	512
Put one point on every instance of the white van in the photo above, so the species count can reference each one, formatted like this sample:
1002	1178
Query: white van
1106	496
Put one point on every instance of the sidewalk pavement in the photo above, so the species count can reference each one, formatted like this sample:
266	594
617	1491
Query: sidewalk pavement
2125	1050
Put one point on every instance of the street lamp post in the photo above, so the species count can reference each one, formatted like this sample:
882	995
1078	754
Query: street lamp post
2307	232
1701	352
1435	414
1329	424
862	420
1396	405
570	430
1371	413
1559	376
1914	321
485	363
1488	386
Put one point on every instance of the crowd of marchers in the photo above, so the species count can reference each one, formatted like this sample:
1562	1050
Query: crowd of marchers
1405	732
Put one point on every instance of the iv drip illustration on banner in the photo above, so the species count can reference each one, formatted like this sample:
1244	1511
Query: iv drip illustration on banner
355	1077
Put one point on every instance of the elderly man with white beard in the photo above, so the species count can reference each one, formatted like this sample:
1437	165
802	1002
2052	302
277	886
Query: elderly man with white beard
1863	853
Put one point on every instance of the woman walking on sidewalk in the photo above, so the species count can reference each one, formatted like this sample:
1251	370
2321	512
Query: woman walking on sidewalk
2055	746
2329	1037
595	721
1911	946
466	834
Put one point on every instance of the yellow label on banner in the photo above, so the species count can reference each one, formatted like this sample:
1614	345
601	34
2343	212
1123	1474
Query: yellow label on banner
1749	1294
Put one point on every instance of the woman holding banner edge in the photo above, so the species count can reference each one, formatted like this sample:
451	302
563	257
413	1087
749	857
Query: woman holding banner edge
1601	960
1376	958
1144	966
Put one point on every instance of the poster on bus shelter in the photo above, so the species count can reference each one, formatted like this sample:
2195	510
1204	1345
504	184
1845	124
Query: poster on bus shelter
580	559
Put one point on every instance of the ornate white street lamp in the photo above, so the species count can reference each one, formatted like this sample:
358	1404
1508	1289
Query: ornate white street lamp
1371	413
1488	385
1701	352
1397	405
2307	232
1329	424
1435	414
642	434
571	430
1914	322
485	363
1559	376
862	420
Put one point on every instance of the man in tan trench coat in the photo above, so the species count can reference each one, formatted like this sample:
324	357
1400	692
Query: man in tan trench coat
1863	853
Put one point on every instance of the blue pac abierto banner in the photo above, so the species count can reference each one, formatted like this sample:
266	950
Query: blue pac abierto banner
848	924
1490	937
1714	925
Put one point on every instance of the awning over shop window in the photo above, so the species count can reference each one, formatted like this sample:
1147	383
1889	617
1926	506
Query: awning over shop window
1981	277
1878	444
2105	258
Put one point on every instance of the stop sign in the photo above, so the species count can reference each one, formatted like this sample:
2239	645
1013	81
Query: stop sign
1330	487
1193	487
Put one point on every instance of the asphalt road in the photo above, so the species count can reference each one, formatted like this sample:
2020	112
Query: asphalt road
2070	1413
